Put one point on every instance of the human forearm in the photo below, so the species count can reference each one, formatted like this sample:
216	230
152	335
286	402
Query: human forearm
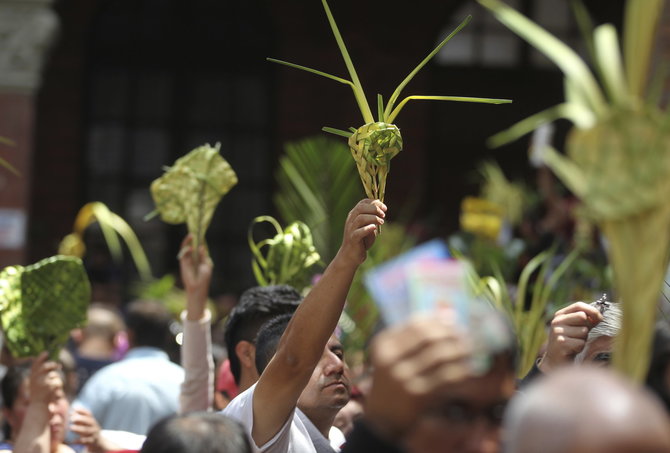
34	436
315	319
306	336
197	390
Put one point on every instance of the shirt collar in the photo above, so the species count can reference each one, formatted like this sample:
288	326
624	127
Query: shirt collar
146	351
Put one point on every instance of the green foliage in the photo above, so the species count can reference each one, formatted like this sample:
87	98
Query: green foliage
112	226
617	157
166	291
527	317
317	187
289	255
41	303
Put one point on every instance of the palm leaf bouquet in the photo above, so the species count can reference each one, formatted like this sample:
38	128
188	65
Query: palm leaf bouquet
287	257
374	144
617	156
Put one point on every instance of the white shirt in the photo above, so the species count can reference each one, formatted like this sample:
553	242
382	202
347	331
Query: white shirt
291	438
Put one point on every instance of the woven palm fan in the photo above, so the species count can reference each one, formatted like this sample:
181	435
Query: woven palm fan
374	144
40	304
189	191
618	157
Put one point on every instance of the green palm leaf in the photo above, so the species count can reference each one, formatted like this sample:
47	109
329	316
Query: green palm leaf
639	33
317	186
562	55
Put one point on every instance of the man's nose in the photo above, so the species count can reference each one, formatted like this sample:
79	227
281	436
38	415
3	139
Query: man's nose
335	365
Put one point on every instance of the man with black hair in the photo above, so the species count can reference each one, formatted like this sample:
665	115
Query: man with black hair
257	306
313	404
134	393
308	368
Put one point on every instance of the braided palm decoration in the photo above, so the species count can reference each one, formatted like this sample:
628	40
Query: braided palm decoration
617	159
373	146
376	143
189	191
40	304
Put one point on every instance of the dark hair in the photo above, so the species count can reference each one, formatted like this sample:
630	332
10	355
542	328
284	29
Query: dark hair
660	359
11	383
257	306
268	339
197	432
149	322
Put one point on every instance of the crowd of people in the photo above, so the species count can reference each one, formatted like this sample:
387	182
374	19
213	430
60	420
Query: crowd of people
436	383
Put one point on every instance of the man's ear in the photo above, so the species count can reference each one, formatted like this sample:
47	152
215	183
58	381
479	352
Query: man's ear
246	352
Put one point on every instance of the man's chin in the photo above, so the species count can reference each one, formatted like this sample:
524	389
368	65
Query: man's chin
339	401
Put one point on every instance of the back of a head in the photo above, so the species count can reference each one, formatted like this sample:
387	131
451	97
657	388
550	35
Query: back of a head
103	322
148	323
257	306
268	339
585	409
197	432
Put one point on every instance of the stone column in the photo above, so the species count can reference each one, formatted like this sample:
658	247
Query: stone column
27	29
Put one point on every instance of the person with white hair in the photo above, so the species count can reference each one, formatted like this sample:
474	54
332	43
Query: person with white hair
579	333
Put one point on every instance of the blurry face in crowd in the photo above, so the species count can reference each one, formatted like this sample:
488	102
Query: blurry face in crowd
329	387
597	352
468	417
345	418
58	411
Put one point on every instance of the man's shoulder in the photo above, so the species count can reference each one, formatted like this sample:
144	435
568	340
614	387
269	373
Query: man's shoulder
242	403
292	437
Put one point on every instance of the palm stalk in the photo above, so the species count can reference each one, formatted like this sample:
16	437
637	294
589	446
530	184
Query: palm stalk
618	159
529	324
374	144
112	226
315	186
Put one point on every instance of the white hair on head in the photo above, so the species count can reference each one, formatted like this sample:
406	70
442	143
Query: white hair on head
608	327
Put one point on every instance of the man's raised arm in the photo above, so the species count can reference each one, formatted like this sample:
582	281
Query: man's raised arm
306	336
